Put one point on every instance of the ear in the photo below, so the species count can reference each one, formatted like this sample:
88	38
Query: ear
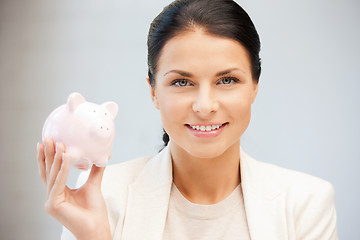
74	100
112	107
154	97
254	93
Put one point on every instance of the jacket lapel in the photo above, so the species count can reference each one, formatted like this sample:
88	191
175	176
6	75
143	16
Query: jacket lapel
264	203
148	200
149	195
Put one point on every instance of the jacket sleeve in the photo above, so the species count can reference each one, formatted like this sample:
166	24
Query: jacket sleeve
315	214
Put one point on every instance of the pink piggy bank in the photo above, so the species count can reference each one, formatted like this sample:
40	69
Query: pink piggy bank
86	129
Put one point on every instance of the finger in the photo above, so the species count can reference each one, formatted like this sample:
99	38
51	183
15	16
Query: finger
60	149
60	181
49	154
41	161
96	175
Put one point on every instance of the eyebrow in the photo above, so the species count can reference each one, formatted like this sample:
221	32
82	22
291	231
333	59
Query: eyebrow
182	73
187	74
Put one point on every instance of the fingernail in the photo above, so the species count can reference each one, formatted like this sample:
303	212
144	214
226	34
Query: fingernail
63	156
57	147
37	146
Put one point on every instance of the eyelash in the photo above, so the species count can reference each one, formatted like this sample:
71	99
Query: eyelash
177	81
233	79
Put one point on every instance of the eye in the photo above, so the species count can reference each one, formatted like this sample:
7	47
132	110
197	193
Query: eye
228	80
181	83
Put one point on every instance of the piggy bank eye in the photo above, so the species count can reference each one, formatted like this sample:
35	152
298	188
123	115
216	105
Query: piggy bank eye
105	114
94	111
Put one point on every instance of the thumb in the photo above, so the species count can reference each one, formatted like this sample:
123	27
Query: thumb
96	175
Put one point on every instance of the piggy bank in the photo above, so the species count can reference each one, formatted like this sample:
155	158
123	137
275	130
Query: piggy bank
85	128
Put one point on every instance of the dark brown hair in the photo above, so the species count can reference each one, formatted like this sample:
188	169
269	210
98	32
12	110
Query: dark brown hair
223	18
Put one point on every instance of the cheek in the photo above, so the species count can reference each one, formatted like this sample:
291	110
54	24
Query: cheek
173	110
239	108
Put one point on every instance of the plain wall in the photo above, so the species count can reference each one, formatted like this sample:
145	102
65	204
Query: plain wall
306	116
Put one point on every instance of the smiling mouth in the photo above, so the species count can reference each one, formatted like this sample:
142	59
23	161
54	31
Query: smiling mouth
206	128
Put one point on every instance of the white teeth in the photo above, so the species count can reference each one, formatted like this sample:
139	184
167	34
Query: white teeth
206	128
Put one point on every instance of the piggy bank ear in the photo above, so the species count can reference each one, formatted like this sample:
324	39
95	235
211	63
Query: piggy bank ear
111	107
74	100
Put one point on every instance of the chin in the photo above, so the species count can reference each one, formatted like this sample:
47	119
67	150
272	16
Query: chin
206	152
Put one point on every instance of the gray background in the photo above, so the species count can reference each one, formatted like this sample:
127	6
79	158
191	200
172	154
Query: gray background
306	116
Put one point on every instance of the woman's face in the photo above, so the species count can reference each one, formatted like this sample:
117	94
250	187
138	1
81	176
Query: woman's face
204	91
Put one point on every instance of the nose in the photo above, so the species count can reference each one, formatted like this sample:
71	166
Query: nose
205	102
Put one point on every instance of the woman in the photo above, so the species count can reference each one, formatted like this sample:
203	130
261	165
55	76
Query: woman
204	67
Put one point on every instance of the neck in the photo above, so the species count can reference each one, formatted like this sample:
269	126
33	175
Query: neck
206	180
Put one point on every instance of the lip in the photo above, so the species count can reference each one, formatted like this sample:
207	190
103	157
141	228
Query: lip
206	134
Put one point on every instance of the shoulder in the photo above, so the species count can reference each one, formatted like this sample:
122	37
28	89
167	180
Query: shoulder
125	172
308	201
288	181
117	178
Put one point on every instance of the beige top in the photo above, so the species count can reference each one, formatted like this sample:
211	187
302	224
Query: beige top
225	220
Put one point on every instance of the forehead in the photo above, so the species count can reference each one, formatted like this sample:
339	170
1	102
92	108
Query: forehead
199	51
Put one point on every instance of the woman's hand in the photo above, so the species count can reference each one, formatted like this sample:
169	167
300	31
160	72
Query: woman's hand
83	210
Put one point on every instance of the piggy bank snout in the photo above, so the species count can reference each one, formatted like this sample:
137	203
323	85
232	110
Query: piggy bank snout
103	130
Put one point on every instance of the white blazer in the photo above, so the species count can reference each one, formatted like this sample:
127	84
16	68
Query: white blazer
280	203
